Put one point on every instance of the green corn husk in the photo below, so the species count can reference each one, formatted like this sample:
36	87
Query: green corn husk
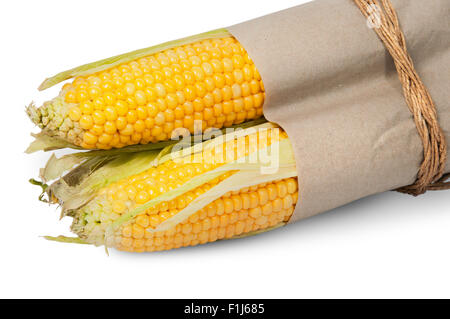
67	240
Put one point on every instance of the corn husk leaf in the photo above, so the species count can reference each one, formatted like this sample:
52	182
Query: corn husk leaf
104	64
67	240
44	142
55	167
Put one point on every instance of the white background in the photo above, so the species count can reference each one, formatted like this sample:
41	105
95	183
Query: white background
389	245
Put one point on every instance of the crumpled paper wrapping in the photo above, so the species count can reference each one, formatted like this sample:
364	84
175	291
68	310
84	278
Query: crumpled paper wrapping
333	87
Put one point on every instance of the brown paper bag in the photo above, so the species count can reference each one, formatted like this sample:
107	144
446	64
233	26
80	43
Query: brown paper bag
333	87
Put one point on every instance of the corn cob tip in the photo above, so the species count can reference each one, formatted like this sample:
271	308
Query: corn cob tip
49	137
54	121
33	113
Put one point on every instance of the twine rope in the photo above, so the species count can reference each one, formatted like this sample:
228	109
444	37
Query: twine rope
383	17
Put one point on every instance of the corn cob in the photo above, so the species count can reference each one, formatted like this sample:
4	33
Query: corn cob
196	86
187	200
